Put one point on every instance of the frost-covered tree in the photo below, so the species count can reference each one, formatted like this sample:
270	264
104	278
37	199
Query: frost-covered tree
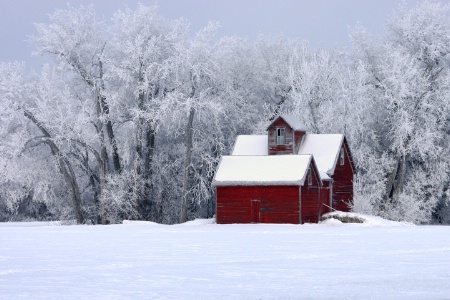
273	57
133	116
408	72
76	39
35	124
318	80
197	97
145	48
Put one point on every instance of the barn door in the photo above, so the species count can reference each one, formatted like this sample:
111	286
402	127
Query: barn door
256	211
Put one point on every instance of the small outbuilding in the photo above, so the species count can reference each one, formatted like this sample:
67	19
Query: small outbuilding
286	176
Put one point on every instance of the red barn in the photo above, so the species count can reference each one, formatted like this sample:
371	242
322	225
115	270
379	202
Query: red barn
286	176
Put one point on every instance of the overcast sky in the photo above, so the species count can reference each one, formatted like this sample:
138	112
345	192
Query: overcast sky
321	22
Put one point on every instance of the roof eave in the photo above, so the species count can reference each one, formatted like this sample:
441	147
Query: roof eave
258	183
295	128
274	120
330	172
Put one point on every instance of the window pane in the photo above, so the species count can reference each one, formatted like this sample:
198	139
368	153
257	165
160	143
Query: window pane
281	136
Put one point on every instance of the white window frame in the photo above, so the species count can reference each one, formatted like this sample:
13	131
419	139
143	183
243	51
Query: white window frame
281	135
309	176
342	157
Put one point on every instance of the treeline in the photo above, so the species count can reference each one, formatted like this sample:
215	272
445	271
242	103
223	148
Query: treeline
133	115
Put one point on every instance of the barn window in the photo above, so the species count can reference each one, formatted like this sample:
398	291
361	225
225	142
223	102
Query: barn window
309	177
342	158
281	136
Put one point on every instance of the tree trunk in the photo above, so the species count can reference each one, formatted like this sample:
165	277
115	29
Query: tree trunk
93	181
103	158
395	181
187	164
145	149
109	127
314	117
65	168
399	178
150	135
101	103
113	143
139	167
70	179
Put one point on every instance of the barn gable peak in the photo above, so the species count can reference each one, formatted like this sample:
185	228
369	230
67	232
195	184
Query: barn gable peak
292	121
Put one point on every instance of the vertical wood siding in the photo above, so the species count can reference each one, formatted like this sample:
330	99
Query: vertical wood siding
277	204
311	202
325	198
343	182
298	136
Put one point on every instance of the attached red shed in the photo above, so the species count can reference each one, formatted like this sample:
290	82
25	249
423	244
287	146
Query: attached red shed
286	176
335	162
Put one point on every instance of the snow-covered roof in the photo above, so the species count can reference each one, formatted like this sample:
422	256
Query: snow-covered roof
325	149
324	176
292	121
251	145
262	170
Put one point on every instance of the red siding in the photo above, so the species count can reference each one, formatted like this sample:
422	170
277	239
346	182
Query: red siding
298	136
325	198
343	183
275	204
310	201
271	204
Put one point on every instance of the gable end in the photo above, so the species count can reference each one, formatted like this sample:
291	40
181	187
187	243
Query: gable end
284	135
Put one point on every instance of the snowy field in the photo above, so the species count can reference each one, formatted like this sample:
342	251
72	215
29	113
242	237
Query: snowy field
199	260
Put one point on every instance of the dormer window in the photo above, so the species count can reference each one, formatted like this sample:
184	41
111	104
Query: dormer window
341	157
281	136
284	136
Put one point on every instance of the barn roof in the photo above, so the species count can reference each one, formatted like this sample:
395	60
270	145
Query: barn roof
292	121
325	149
251	145
262	170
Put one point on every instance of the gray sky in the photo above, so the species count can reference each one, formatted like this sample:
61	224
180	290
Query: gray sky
321	22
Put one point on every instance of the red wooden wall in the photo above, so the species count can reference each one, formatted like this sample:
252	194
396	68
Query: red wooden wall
325	198
272	204
298	136
343	182
311	200
257	204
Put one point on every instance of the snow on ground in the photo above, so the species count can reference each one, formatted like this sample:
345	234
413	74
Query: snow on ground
202	260
335	217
